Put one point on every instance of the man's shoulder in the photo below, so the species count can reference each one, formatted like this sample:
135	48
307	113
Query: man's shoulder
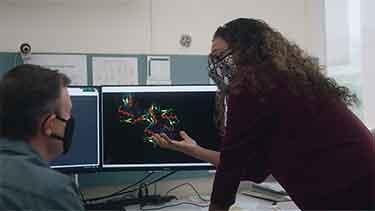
27	175
50	180
51	176
27	184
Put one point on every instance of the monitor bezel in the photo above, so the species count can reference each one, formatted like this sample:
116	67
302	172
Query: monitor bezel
86	168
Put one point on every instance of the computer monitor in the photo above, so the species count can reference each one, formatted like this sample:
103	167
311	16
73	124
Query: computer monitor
84	152
131	114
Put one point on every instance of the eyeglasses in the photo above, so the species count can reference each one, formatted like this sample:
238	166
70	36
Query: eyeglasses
214	59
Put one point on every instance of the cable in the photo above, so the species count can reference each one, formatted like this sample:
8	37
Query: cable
111	195
162	177
190	185
121	191
142	191
82	197
174	205
140	181
155	188
154	181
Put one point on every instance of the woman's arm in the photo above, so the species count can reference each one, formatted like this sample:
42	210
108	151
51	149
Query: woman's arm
207	155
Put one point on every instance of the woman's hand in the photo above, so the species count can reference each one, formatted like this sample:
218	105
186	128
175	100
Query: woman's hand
186	145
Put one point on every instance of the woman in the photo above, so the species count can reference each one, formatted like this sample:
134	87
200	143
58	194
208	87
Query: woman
286	118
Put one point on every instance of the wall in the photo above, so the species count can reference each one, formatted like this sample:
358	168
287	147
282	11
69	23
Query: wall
66	27
145	26
201	18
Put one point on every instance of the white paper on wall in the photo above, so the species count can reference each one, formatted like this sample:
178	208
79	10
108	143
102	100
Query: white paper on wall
74	66
158	70
115	70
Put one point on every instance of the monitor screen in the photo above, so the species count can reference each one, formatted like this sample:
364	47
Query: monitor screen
132	113
84	151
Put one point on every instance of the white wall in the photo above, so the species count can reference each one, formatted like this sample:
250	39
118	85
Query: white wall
201	18
115	27
145	26
368	61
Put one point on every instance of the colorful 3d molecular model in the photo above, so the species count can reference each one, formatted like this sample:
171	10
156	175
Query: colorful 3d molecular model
154	119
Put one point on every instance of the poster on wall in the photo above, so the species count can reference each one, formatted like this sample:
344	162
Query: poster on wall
158	70
115	70
74	66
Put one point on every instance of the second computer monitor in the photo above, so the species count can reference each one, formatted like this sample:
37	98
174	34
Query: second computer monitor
131	114
84	151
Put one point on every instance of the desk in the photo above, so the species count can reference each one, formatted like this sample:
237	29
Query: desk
243	203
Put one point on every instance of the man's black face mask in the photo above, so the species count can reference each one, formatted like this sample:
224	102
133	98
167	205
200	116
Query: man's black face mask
68	133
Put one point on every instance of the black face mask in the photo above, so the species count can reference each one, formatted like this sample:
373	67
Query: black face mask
68	133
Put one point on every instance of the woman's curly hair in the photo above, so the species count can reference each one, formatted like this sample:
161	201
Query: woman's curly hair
264	57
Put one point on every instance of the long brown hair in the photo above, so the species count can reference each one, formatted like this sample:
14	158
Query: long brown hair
264	57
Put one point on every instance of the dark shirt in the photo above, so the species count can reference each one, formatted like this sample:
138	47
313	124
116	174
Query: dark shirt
27	182
323	155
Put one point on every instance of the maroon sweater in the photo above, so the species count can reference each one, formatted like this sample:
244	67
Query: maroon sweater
323	155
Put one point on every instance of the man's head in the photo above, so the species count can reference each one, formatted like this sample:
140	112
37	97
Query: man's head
34	106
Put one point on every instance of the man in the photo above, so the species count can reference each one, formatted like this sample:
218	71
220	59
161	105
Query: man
35	127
